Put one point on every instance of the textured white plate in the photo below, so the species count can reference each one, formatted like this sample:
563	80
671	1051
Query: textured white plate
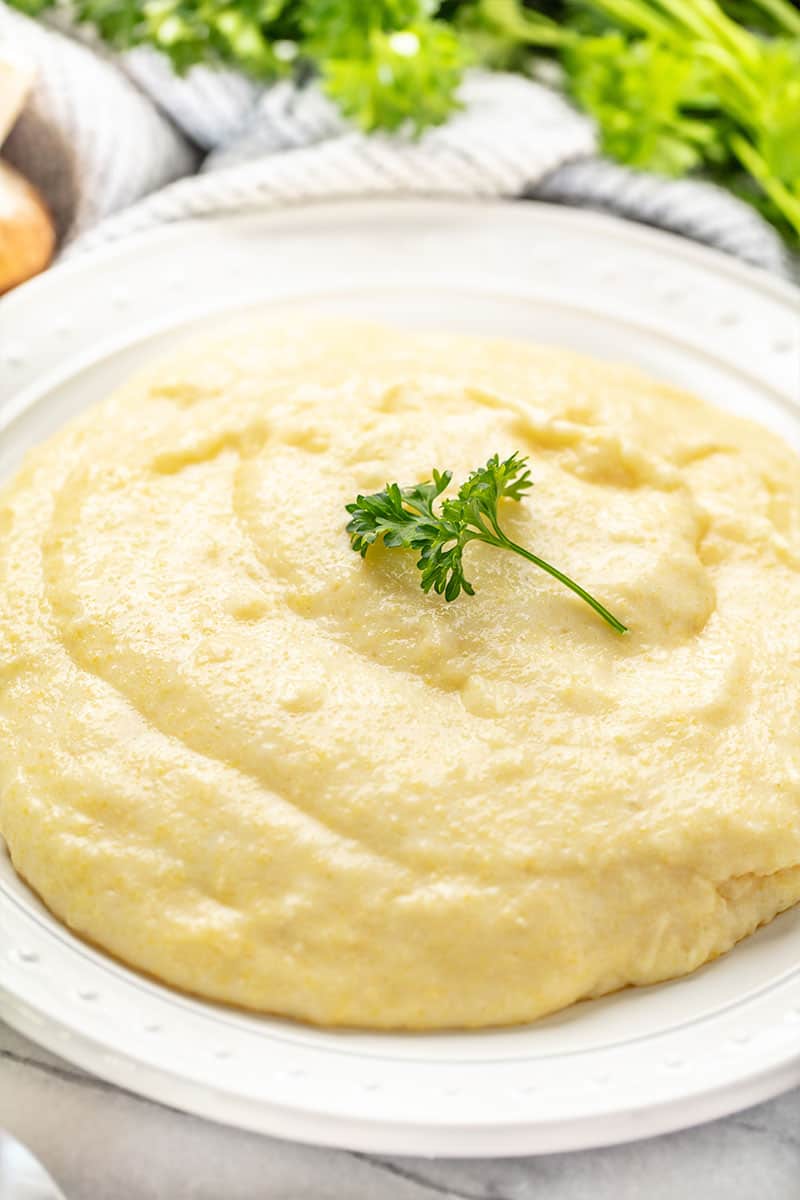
637	1063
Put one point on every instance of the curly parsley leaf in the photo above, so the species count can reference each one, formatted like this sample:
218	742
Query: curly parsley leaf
405	517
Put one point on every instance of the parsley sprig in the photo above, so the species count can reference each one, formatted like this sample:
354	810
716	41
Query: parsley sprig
405	517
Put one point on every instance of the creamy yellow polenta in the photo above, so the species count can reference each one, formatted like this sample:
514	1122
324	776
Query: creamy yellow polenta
242	759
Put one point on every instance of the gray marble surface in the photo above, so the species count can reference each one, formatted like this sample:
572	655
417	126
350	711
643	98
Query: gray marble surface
104	1144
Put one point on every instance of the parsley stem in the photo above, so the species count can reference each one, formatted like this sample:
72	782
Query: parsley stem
599	608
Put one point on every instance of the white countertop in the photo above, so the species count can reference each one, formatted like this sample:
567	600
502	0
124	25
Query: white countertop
104	1144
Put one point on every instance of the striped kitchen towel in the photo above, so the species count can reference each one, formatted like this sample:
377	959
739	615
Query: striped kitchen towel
118	144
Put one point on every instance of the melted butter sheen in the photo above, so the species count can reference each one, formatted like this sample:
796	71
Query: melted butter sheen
246	761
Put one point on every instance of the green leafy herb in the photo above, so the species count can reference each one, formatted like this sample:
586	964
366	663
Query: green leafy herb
424	62
674	86
677	86
405	517
650	101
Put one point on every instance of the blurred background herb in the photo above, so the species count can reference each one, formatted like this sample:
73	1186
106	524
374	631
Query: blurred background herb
675	86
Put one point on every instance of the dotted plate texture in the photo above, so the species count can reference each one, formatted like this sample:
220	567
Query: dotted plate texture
631	1065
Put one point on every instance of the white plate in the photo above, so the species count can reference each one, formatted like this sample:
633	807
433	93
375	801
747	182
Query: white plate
641	1062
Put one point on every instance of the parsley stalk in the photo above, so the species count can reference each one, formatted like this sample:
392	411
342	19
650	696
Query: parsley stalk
592	601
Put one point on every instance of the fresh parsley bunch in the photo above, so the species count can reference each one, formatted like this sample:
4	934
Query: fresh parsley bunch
675	86
683	85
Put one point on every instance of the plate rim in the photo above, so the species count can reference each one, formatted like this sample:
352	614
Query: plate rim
620	227
373	1134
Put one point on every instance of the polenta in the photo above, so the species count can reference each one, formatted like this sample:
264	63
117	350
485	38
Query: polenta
263	770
